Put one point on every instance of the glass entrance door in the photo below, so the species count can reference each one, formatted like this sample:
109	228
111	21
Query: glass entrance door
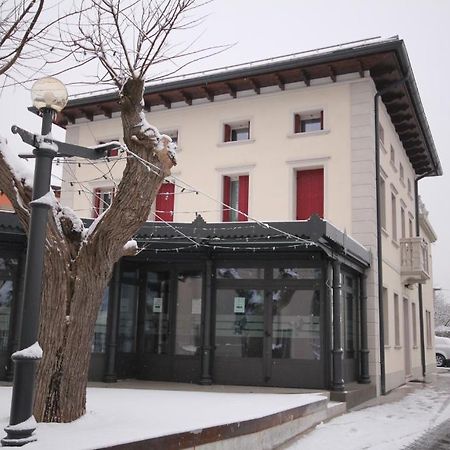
267	326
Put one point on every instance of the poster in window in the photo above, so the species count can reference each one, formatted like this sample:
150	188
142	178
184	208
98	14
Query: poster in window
239	305
157	304
196	306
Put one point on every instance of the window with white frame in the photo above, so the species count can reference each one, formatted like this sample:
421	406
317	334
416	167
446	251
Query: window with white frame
237	131
392	156
428	320
308	121
383	202
381	133
409	187
394	216
102	199
235	198
402	173
386	316
397	320
403	221
414	324
111	152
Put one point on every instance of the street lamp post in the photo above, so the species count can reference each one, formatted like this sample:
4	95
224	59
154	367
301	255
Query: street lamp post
49	96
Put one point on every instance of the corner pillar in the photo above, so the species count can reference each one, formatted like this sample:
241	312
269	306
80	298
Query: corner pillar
364	352
206	377
338	352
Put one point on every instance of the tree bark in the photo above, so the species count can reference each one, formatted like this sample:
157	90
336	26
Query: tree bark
77	269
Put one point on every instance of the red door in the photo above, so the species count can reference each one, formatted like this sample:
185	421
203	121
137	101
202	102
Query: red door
165	201
309	193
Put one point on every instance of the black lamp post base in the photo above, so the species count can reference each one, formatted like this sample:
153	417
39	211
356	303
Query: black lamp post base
20	434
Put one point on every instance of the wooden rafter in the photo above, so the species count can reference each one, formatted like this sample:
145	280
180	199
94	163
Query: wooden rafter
88	114
147	104
187	97
166	101
231	89
280	81
361	68
209	93
332	73
255	85
306	77
106	111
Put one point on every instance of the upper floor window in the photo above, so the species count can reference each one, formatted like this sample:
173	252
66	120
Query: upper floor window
306	122
235	198
309	193
381	133
102	200
383	202
165	202
392	153
239	131
112	152
394	217
409	187
402	173
173	134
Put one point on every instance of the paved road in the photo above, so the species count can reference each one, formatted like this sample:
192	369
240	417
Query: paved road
438	437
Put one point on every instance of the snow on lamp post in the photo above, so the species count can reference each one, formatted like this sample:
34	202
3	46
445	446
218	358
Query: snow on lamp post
49	96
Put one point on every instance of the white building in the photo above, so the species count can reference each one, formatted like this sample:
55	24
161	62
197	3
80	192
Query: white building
281	140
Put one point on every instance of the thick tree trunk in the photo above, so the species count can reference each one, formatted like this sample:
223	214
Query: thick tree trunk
77	268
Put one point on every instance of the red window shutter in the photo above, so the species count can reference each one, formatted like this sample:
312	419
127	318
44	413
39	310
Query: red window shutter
243	198
113	152
97	198
226	133
226	198
309	193
165	201
297	123
321	120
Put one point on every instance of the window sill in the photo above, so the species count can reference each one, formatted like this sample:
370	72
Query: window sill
415	347
387	346
384	231
233	143
308	133
395	243
398	347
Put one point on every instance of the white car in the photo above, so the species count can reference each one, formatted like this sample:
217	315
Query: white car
442	347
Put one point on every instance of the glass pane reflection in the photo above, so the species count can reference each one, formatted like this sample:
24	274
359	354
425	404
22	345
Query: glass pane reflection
99	341
296	273
156	325
240	273
189	311
239	322
296	324
128	312
6	296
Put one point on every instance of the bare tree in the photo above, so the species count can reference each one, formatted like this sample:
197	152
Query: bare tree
441	313
128	39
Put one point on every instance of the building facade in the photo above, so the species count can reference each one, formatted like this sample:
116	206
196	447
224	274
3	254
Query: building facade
293	143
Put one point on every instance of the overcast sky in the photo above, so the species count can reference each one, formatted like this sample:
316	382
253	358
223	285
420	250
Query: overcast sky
266	28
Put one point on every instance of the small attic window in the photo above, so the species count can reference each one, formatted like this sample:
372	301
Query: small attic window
308	121
239	131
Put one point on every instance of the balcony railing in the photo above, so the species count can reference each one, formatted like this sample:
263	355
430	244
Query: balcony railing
414	260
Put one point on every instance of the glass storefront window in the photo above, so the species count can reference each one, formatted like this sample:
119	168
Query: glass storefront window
6	296
189	312
128	312
296	324
240	273
156	322
99	341
296	273
239	322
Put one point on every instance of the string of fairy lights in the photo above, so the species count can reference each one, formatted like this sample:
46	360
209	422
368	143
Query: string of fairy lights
99	203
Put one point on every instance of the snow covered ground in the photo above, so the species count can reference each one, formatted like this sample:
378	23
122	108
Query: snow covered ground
390	426
122	415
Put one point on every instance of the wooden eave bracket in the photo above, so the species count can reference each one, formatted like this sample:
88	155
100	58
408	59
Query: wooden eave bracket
255	85
209	94
166	101
89	115
280	80
332	73
306	77
231	89
187	98
106	111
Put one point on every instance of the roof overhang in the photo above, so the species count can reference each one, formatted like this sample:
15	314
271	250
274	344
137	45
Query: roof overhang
386	60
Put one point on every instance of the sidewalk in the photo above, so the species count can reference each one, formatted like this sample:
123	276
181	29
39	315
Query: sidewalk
415	416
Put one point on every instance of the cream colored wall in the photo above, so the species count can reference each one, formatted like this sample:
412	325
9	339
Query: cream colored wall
270	157
395	354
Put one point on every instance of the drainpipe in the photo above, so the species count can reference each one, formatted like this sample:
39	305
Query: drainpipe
379	238
421	324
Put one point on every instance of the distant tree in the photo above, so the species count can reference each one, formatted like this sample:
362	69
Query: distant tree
128	39
441	313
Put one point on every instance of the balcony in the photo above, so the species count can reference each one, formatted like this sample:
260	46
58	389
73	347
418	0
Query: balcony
414	260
